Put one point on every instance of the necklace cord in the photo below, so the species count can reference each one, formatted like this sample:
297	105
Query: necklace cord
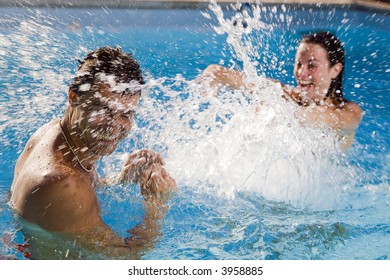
88	170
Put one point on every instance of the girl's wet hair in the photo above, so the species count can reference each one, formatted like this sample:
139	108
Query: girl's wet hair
336	54
109	61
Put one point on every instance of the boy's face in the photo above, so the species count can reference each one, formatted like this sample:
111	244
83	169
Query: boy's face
104	118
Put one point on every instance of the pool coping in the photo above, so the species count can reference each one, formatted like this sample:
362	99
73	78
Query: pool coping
383	5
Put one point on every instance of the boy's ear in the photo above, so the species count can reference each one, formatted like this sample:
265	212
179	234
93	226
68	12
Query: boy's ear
71	97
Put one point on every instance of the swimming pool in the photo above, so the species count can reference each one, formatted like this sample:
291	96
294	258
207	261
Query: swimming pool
247	189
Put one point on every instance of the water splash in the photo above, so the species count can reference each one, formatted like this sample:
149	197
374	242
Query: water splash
249	147
28	52
231	142
237	141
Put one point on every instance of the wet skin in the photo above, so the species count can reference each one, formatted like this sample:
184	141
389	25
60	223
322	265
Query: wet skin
313	73
52	187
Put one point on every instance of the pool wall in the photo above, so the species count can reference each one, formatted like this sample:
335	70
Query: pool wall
383	5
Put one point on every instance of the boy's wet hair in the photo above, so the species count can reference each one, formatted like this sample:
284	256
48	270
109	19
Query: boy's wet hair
336	54
110	62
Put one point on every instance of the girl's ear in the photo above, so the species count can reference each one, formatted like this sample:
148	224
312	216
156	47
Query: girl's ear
336	69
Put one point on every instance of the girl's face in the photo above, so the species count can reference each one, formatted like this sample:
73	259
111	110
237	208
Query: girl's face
313	71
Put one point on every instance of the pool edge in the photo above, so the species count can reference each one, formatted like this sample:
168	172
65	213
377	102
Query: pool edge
380	6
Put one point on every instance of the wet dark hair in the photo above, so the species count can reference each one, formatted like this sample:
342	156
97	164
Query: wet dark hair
110	61
336	54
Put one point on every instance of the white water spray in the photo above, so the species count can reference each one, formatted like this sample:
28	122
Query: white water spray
241	141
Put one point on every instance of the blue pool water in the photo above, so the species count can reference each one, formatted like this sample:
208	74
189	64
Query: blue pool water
250	186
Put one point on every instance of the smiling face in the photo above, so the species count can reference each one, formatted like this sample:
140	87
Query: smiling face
313	71
103	118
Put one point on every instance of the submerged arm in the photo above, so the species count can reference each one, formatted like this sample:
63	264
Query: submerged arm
144	167
102	240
